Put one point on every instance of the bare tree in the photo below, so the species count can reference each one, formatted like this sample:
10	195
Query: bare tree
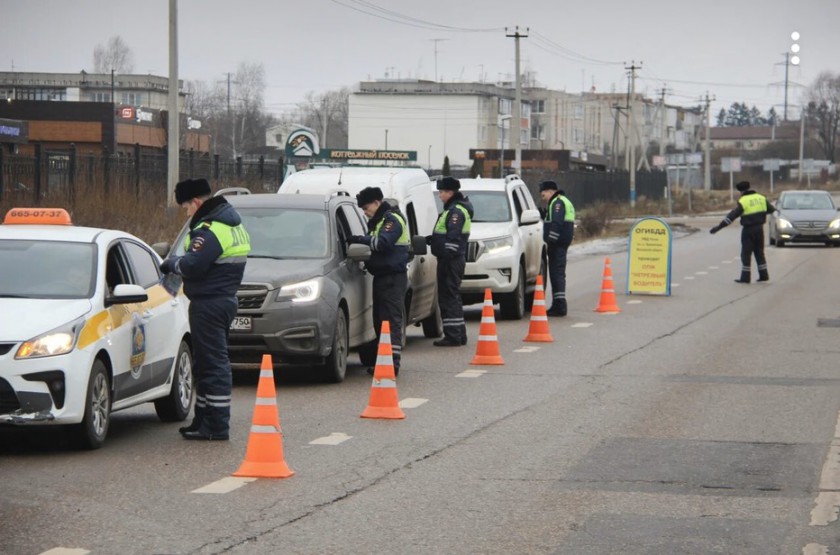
823	112
115	55
328	112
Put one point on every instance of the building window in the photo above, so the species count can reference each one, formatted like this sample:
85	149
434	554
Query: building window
102	97
482	133
578	111
505	106
538	131
538	106
40	94
131	99
526	110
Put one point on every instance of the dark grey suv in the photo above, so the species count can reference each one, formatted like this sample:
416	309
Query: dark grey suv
305	297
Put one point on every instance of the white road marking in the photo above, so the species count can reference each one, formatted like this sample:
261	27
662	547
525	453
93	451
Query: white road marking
225	485
714	267
634	302
814	549
333	439
688	277
66	551
701	273
726	262
675	285
471	374
412	402
830	477
827	505
582	325
828	499
526	349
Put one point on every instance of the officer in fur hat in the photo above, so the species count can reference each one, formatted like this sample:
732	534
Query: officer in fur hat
212	268
752	209
389	242
558	232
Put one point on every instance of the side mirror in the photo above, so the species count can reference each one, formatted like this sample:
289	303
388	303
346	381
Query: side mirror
161	248
358	252
418	245
127	293
529	217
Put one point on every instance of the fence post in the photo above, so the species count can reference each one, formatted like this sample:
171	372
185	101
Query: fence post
216	173
90	166
191	162
2	173
239	167
137	167
106	168
37	176
280	172
261	167
74	155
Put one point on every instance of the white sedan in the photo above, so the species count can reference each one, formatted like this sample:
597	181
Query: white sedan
86	328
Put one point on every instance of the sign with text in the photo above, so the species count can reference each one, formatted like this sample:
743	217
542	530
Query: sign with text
731	164
379	155
649	260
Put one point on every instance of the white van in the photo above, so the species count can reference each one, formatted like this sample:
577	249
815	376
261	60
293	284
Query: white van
410	190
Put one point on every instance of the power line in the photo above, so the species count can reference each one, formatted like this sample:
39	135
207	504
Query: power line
396	17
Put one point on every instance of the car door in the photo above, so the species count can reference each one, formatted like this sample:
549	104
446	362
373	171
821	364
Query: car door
531	234
158	314
358	284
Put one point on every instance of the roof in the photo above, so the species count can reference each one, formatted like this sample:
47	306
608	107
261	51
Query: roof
353	178
752	132
56	233
489	184
273	200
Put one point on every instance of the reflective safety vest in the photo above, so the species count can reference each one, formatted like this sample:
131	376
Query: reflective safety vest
440	226
753	204
569	215
235	242
404	238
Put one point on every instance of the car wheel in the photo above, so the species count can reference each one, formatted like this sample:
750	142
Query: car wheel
90	434
512	304
780	243
772	239
175	407
433	324
335	367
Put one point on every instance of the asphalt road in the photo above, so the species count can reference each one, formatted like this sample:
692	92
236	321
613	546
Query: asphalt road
704	422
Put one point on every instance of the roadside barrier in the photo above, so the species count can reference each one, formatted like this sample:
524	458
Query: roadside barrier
538	331
264	455
384	398
487	348
607	302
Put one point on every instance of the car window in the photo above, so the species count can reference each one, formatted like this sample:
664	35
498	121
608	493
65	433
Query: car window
527	199
355	222
490	206
286	233
47	269
807	201
144	264
517	203
117	270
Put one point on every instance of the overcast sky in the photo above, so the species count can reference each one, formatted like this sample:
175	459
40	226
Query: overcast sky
734	49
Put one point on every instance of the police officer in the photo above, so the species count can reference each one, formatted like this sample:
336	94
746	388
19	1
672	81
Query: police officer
449	245
212	269
389	242
752	209
558	232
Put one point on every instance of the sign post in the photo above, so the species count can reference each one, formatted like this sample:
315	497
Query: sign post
649	260
731	165
772	165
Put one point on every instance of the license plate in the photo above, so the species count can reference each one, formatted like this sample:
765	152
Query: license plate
241	323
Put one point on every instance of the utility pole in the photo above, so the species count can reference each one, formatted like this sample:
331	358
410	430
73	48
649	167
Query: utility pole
632	128
436	41
516	132
707	162
232	123
801	140
173	170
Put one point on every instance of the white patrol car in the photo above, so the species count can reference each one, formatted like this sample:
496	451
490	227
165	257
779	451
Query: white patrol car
86	327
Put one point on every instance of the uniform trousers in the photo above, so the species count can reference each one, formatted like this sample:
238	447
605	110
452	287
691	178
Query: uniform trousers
752	244
450	272
557	275
389	304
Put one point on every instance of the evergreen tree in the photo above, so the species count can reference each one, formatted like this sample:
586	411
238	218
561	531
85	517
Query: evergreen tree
445	171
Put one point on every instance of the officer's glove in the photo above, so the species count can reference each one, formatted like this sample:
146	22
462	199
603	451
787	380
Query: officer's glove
715	229
355	239
168	265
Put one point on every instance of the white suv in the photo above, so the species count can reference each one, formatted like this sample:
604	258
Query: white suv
506	251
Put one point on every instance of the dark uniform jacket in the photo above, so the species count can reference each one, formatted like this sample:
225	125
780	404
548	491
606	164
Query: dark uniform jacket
746	210
204	275
453	242
389	245
556	229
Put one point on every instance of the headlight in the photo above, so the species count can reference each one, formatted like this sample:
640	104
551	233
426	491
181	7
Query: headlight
782	223
495	246
59	341
835	224
303	292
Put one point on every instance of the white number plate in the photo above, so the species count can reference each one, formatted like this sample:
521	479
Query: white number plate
241	323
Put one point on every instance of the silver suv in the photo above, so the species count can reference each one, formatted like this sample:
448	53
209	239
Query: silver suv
305	297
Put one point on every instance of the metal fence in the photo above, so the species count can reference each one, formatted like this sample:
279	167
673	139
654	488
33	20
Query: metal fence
585	188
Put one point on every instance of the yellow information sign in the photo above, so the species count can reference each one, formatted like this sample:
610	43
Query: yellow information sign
649	260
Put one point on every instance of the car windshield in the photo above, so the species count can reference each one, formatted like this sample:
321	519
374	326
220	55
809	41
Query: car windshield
47	269
807	201
488	206
286	232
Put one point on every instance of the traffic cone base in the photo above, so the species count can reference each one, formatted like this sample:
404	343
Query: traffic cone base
264	454
607	301
538	331
384	398
487	348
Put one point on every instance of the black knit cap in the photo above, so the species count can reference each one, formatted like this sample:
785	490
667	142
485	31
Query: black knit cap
548	186
743	186
190	189
368	195
448	184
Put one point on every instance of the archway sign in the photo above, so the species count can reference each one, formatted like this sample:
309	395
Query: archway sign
649	260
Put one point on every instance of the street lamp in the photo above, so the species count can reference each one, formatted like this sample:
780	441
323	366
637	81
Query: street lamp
794	36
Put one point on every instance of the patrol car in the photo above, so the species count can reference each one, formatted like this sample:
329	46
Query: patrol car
86	327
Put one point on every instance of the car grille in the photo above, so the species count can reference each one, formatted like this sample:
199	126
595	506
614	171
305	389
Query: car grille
8	399
472	251
811	225
251	296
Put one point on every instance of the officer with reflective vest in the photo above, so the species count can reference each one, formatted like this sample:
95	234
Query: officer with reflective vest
388	239
752	209
212	268
449	244
558	232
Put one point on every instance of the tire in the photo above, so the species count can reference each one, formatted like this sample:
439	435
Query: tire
433	324
335	367
175	407
512	305
779	243
772	240
91	432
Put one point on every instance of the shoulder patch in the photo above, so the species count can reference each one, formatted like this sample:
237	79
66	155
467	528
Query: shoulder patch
389	225
197	244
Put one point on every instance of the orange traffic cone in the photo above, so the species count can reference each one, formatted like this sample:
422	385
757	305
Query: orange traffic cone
487	348
538	329
264	455
384	399
607	302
